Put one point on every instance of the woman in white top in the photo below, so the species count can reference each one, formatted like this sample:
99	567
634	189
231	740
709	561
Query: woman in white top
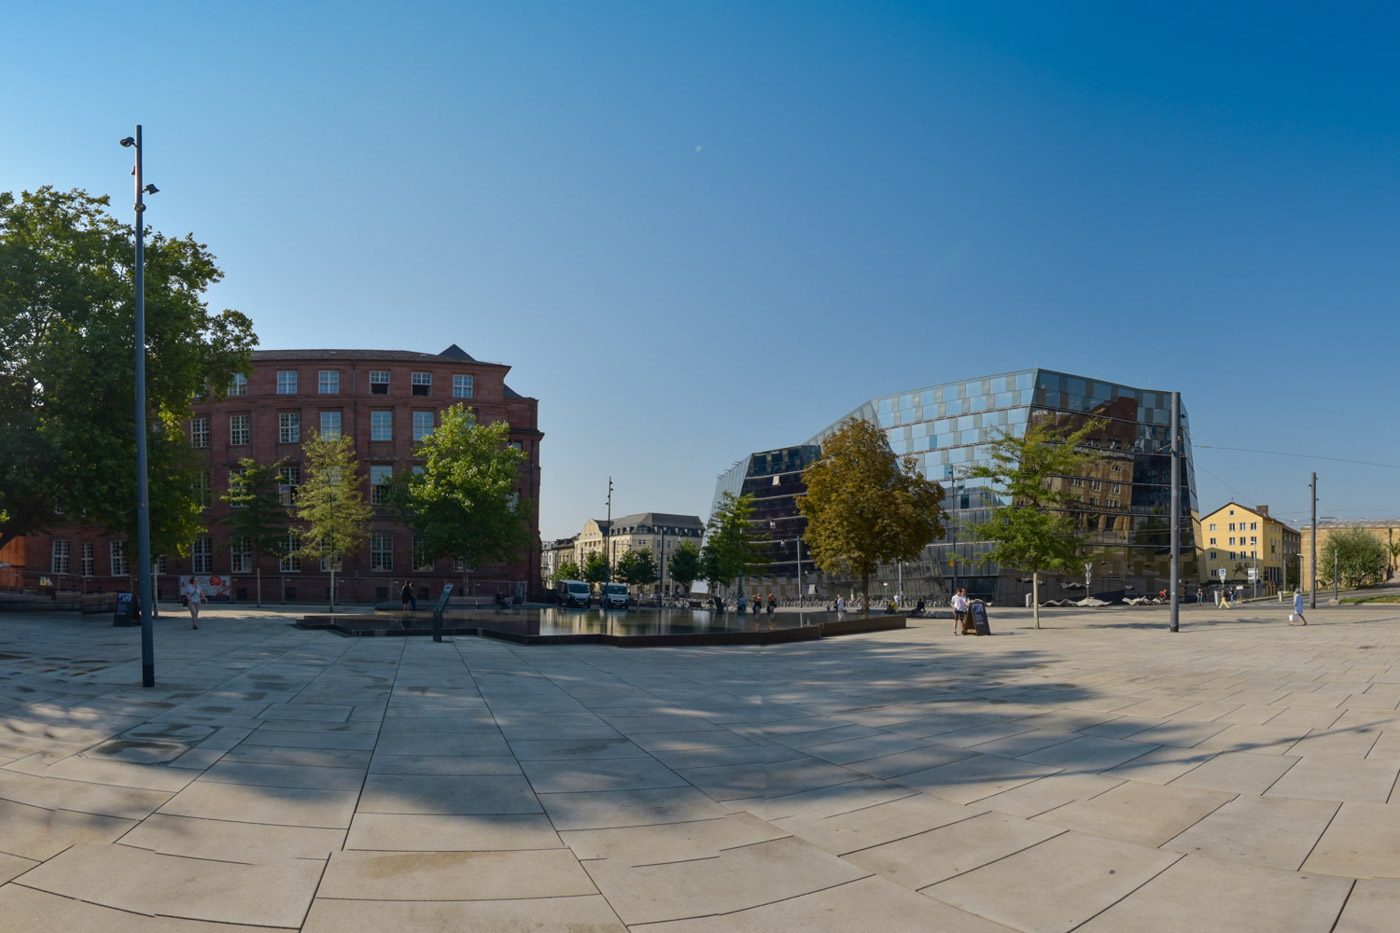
192	597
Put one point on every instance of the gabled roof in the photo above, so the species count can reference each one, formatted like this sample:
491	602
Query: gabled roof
653	519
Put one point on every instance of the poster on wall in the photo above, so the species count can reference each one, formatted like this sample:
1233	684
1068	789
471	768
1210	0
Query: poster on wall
211	587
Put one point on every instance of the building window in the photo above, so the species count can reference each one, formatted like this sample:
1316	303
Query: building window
1212	555
1232	541
199	432
286	382
1212	540
1253	526
330	425
422	424
1254	540
288	427
462	386
379	382
290	480
241	555
379	476
239	385
117	550
202	555
459	565
161	564
381	425
518	446
58	560
87	561
422	383
1212	526
420	559
328	382
1232	527
381	551
291	560
203	489
239	431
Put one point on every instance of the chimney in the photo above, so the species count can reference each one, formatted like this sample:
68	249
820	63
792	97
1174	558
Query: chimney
1262	510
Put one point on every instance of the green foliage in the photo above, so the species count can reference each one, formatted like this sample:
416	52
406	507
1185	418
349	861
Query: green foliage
67	376
684	568
333	512
1033	532
595	568
256	512
1359	557
465	504
637	568
568	570
865	506
730	549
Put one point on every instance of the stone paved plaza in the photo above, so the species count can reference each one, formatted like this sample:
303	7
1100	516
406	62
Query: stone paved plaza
1100	774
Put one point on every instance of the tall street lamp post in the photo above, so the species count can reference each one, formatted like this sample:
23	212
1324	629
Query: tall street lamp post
143	495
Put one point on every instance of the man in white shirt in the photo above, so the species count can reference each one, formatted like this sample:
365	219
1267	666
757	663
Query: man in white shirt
960	607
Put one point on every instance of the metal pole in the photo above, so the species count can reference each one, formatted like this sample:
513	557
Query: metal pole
1312	558
661	577
799	571
1176	513
143	495
607	541
1335	572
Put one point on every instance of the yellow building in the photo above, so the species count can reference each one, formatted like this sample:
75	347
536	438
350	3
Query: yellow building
1386	529
1238	539
659	532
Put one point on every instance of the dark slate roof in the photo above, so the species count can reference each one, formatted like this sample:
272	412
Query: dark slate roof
453	352
653	519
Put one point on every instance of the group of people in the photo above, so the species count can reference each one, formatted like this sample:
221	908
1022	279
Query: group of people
756	604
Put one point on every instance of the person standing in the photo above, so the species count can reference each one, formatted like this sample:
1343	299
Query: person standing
1298	618
743	604
406	597
840	605
192	599
960	606
772	604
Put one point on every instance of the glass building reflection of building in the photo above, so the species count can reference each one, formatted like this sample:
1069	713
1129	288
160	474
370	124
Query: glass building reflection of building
1122	499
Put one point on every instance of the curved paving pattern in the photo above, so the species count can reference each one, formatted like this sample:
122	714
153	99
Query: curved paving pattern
1100	774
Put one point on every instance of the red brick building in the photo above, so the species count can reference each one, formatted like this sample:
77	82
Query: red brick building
384	399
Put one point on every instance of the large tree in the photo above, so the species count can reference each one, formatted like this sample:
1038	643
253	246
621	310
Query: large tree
595	568
637	568
730	545
567	570
67	371
1031	473
1357	556
332	510
865	506
465	502
256	514
685	566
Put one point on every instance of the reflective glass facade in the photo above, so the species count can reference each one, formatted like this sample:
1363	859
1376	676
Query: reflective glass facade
1124	497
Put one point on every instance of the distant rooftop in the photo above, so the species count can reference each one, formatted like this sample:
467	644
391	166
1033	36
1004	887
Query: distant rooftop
453	352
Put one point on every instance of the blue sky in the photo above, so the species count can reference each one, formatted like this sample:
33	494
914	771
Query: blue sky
701	229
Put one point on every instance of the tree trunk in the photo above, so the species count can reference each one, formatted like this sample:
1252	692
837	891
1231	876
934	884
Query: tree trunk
257	573
865	590
1035	595
332	586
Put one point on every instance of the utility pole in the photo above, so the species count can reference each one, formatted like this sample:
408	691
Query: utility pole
607	539
1176	513
1312	560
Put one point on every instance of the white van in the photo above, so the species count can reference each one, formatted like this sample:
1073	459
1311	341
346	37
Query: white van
614	596
573	593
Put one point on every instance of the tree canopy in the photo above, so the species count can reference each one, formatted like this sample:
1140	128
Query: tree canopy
256	516
567	570
637	568
1032	531
730	549
865	506
465	503
332	509
684	568
595	568
67	374
1358	556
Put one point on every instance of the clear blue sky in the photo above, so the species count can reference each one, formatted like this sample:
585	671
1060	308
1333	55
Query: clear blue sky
701	229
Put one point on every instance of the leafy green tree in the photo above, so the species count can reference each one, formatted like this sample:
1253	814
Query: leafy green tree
637	568
595	568
865	506
730	546
333	512
1033	532
465	503
67	373
685	566
567	570
1358	556
256	513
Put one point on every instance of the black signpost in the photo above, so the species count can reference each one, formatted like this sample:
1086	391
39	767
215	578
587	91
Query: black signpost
125	613
437	611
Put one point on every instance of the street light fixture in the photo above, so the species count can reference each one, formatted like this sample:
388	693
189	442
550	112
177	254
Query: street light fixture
143	494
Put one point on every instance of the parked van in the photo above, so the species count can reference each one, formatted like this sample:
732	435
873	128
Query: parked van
572	593
614	596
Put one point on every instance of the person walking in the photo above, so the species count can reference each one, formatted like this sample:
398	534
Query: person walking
1297	617
193	596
